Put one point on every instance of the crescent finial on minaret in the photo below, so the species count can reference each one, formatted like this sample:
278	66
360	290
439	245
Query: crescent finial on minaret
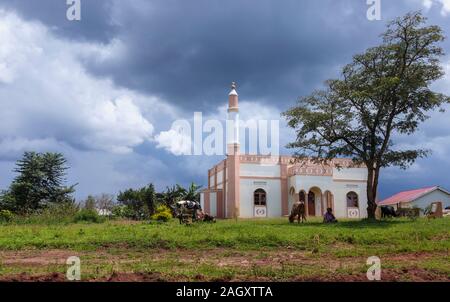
233	89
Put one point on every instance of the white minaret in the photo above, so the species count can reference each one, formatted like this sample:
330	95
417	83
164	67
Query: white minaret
233	121
232	199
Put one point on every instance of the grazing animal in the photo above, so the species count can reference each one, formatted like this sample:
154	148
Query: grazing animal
208	218
388	211
186	209
299	211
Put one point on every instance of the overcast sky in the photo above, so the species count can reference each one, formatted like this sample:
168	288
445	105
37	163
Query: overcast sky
105	90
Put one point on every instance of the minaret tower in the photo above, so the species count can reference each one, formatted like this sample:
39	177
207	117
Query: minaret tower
233	121
233	160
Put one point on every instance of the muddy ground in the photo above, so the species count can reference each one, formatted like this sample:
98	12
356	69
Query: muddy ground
119	265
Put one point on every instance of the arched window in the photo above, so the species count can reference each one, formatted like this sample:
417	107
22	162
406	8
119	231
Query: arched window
259	197
302	196
352	200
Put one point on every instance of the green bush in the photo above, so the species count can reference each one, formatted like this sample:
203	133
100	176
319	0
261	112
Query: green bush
162	213
122	211
61	213
88	215
6	216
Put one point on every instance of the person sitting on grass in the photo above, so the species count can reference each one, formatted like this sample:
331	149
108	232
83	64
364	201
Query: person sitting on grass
329	217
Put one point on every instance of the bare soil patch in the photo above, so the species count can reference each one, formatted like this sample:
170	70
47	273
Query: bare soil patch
35	257
347	269
54	277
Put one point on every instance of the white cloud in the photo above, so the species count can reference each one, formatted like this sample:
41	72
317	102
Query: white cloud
444	4
46	93
179	142
257	110
174	142
11	148
427	4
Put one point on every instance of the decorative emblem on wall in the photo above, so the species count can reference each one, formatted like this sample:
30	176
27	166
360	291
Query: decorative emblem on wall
353	213
260	211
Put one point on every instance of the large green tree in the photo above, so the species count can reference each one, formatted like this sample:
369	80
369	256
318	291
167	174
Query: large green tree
383	93
39	183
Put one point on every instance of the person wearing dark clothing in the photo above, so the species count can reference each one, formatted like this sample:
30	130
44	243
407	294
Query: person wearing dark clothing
329	217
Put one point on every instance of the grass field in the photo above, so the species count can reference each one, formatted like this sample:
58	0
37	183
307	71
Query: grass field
244	250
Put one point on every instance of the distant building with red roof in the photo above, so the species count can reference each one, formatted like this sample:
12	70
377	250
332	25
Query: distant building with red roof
419	198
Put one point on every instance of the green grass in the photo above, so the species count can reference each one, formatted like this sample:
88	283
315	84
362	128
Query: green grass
350	237
269	249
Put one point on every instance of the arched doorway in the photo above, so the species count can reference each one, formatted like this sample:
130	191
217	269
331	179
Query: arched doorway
260	203
311	203
314	201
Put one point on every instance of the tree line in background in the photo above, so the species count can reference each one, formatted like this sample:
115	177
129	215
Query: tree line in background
39	189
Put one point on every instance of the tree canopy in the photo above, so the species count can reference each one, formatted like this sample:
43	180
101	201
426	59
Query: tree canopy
39	183
383	93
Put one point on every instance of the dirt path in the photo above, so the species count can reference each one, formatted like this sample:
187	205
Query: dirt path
37	265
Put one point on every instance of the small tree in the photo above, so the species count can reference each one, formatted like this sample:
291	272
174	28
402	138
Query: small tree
104	203
171	196
149	197
89	204
383	92
192	193
141	202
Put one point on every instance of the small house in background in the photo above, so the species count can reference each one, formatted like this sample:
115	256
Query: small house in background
104	212
420	198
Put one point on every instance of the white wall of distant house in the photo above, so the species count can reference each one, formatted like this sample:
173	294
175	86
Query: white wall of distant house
429	198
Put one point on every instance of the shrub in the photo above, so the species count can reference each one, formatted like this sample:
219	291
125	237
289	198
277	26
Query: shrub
122	211
162	213
140	202
59	213
6	216
88	215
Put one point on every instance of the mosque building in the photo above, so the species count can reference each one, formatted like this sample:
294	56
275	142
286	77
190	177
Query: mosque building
248	185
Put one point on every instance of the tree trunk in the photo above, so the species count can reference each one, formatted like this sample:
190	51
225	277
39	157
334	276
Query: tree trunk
372	187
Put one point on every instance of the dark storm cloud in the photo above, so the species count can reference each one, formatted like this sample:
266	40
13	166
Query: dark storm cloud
189	51
95	24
